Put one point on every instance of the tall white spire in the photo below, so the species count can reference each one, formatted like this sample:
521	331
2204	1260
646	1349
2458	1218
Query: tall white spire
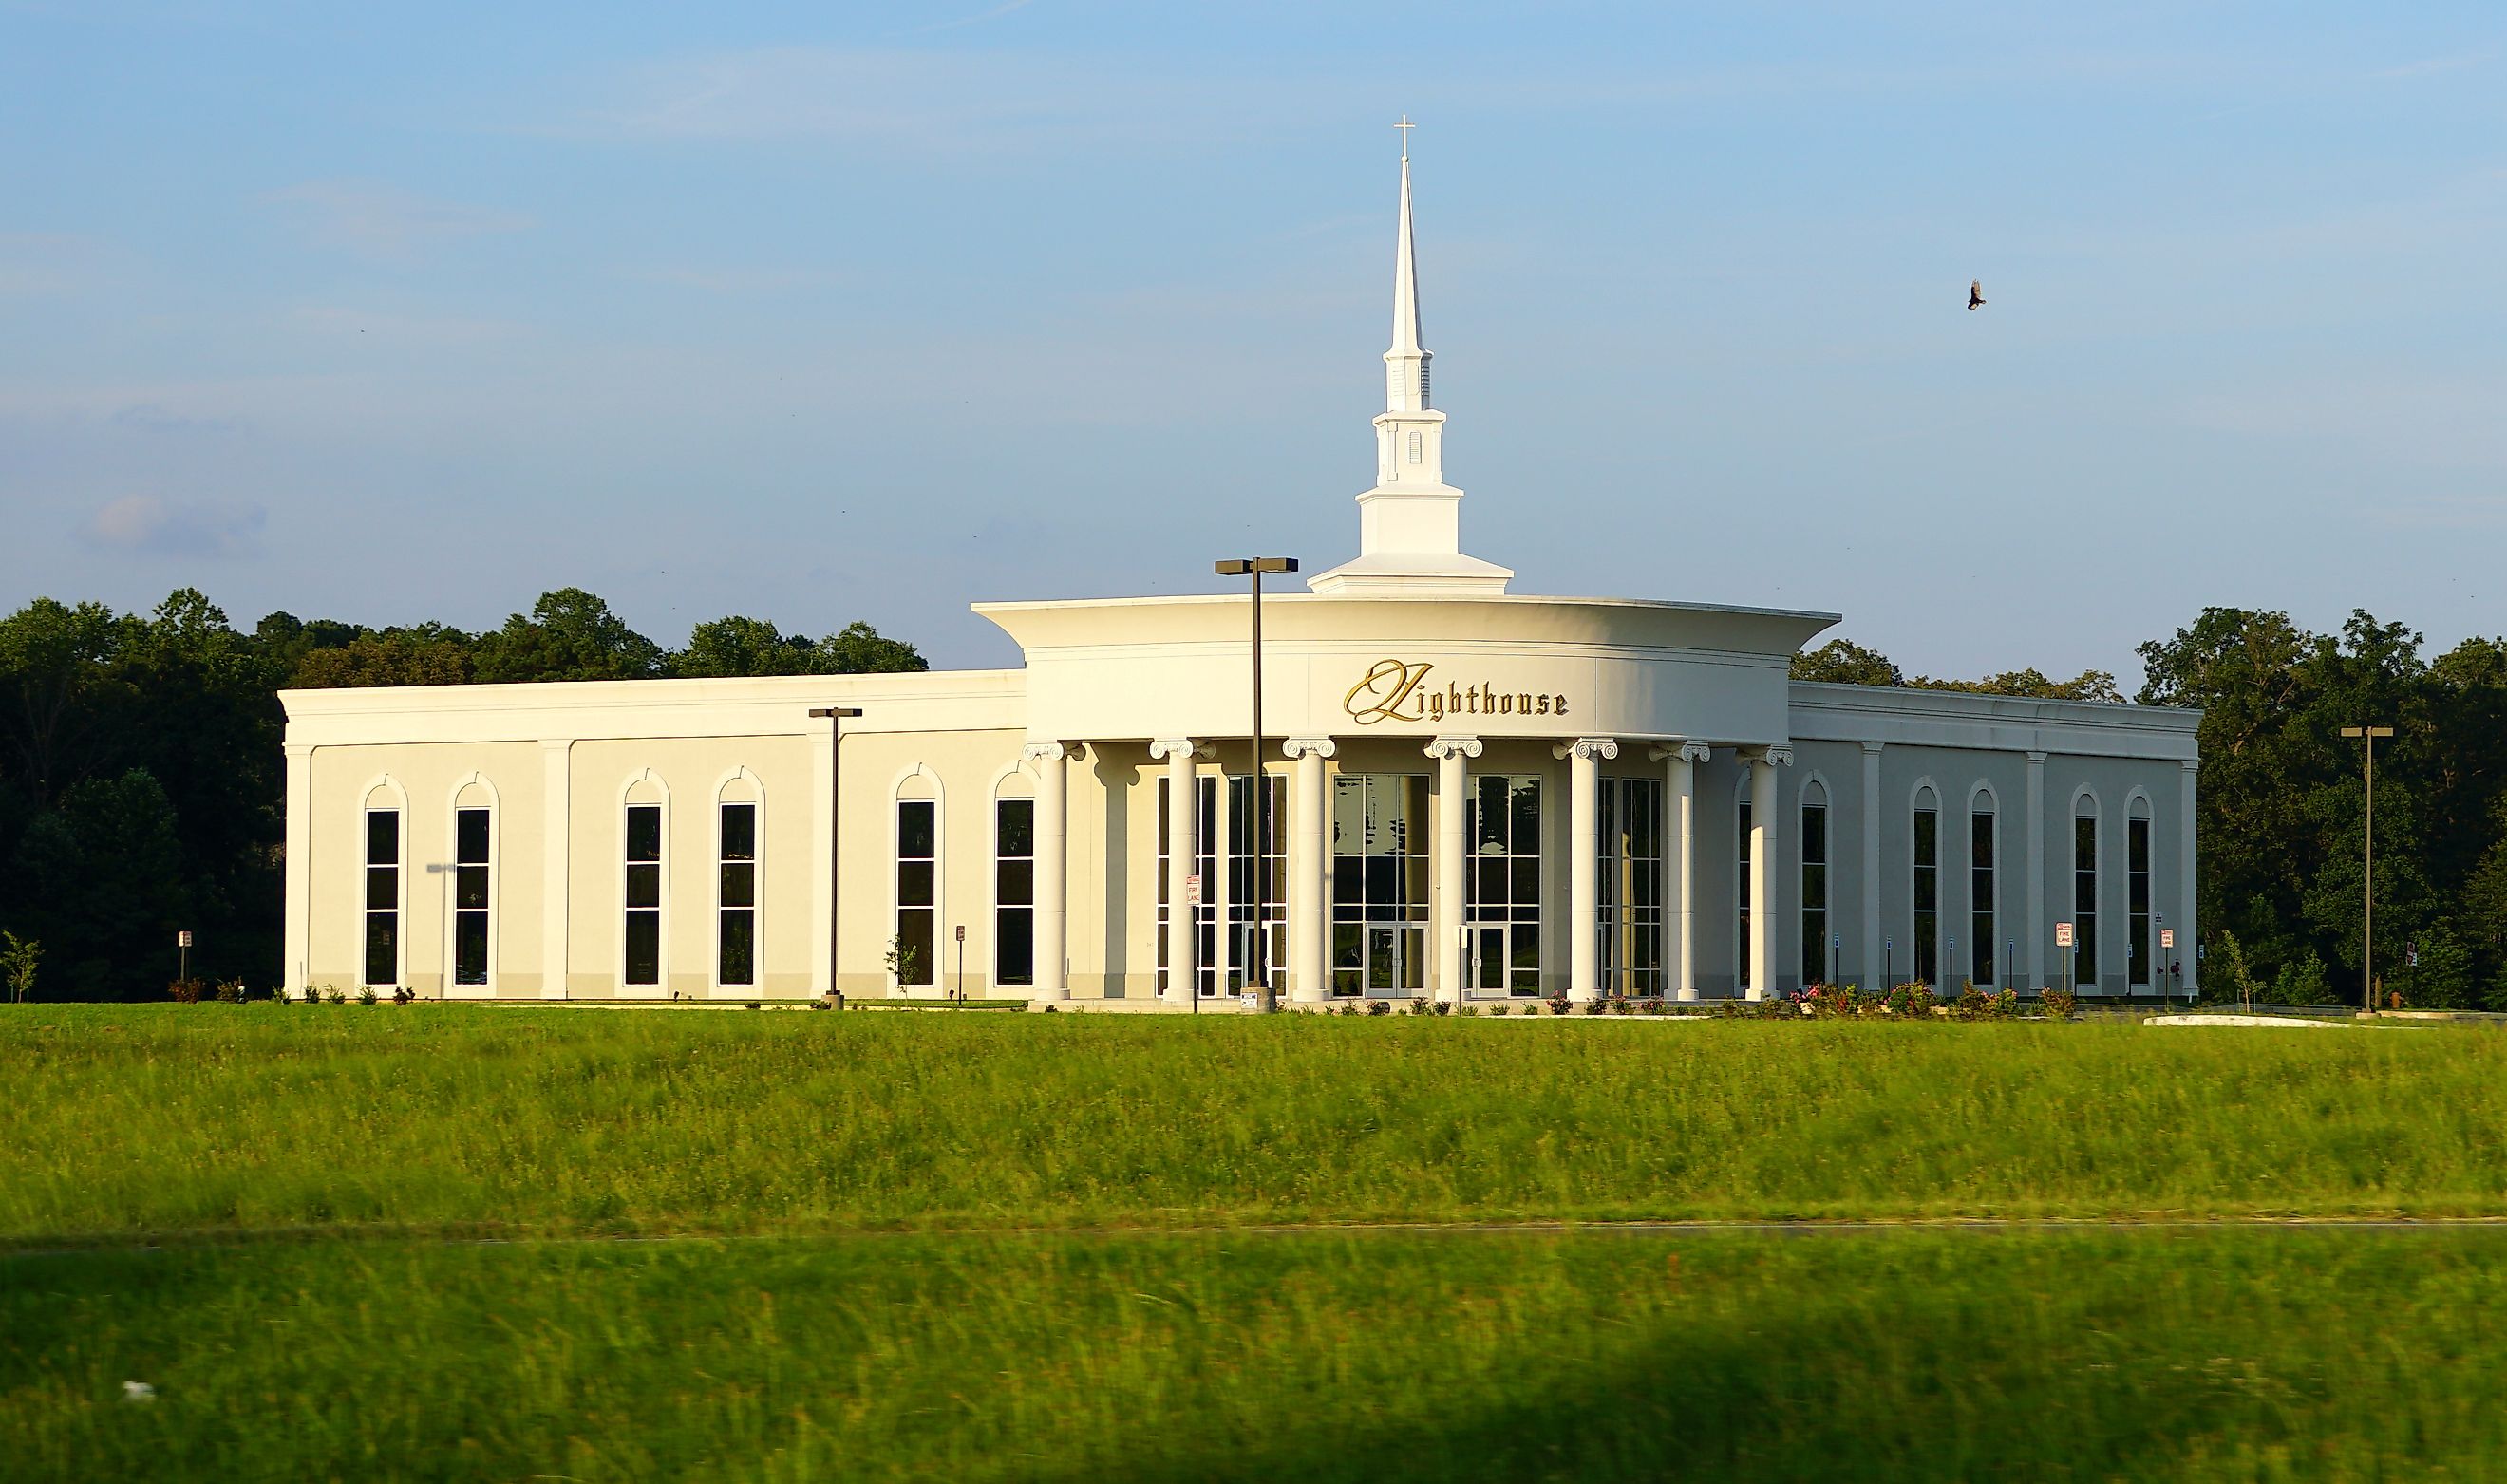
1406	363
1410	523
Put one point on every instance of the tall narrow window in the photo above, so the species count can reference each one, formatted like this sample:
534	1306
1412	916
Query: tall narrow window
1980	864
382	896
1815	885
1928	890
1631	880
918	889
2136	877
644	894
470	896
1741	891
736	906
1501	882
1014	890
2085	894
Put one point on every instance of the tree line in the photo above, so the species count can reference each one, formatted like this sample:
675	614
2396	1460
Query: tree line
2282	802
142	778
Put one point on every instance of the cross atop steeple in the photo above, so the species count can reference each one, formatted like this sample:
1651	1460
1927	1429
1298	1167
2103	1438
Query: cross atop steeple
1405	125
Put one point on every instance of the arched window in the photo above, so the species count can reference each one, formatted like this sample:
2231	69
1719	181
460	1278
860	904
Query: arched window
644	883
917	881
1927	897
474	886
2084	891
382	896
1983	897
1815	968
1014	880
2136	875
738	831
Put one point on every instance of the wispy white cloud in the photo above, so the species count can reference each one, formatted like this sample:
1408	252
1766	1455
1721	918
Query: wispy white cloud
386	221
153	526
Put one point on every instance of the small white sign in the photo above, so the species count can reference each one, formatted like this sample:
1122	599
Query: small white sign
2168	937
1192	888
183	939
2062	936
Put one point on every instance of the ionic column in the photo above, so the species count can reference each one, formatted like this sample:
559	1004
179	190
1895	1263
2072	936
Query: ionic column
1309	928
1052	762
1762	868
1680	762
1184	853
2037	978
1453	782
1584	757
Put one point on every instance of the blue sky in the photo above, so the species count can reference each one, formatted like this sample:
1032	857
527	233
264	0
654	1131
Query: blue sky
824	312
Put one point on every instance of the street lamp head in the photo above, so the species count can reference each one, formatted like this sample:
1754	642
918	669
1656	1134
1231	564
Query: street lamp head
1246	566
838	712
2366	731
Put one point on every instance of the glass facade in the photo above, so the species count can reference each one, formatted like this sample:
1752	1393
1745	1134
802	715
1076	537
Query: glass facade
1502	882
1631	896
1379	884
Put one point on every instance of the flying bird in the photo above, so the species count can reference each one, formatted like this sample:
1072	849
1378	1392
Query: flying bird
1975	294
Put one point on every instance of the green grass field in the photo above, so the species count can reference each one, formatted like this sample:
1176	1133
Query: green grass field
1024	1247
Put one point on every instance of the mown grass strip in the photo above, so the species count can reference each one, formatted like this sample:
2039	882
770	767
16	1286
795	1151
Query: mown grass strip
137	1121
2220	1355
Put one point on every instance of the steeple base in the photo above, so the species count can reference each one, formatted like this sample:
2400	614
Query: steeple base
1409	543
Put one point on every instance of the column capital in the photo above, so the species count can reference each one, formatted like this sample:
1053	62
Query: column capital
1041	752
556	744
1174	747
1454	746
299	749
2036	758
1873	748
1301	747
2190	764
1770	755
1591	750
1681	751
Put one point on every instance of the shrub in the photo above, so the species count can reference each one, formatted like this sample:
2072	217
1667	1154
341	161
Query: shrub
1470	1009
228	991
331	995
1557	1004
366	993
1379	1007
2057	1005
404	996
1501	1009
1911	999
186	991
18	959
1444	1007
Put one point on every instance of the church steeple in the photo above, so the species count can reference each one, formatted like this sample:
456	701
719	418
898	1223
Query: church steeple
1410	523
1406	363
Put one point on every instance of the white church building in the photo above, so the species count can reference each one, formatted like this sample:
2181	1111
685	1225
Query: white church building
1473	794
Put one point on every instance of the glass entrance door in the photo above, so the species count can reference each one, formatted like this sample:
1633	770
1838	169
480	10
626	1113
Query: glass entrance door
1397	962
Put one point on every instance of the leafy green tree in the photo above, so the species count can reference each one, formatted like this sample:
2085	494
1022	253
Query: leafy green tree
114	891
571	635
858	649
2442	978
394	657
743	646
1843	662
2088	685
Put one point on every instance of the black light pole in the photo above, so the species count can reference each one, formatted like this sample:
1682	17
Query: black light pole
1265	996
2368	905
834	716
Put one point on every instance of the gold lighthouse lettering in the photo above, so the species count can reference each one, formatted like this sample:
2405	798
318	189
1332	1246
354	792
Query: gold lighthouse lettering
1396	690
